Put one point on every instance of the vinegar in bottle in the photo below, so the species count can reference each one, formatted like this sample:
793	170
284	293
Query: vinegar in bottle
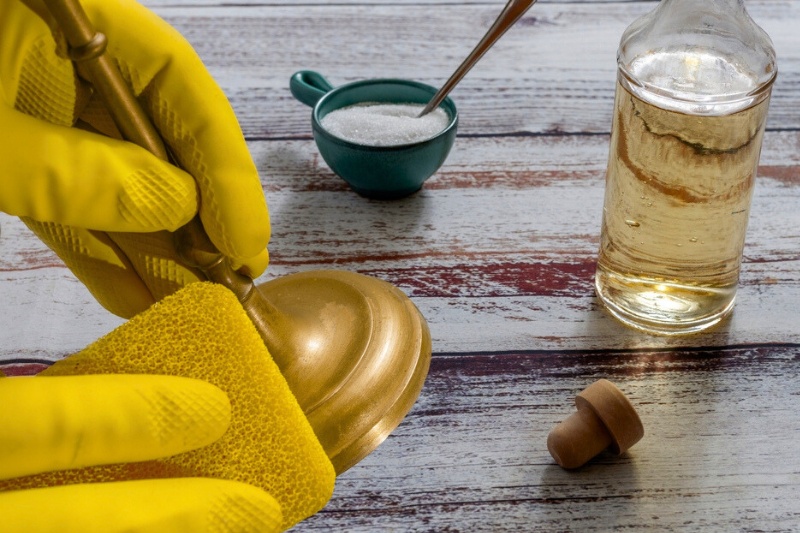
689	117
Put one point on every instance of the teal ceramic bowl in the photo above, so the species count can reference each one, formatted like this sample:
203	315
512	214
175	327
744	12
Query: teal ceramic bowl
382	172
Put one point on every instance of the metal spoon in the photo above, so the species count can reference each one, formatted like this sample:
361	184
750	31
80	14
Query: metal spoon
354	349
508	17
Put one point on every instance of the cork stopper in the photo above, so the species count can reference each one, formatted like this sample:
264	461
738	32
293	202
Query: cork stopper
605	420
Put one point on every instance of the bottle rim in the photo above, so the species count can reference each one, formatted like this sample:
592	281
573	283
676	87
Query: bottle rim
698	104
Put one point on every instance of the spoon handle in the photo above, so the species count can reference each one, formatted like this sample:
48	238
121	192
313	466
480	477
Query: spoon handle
508	17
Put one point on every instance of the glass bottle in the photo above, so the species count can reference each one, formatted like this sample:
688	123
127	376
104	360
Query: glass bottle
693	86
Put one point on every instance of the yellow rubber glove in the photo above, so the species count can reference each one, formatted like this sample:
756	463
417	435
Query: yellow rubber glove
58	423
105	206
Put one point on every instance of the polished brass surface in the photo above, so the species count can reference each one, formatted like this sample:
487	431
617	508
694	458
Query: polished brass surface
363	352
354	350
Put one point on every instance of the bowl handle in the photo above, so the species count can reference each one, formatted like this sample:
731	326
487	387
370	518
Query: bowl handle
309	86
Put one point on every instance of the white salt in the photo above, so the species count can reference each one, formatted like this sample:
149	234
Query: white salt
374	124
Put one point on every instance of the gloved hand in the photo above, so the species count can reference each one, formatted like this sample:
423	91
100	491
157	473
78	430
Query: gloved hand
56	423
105	206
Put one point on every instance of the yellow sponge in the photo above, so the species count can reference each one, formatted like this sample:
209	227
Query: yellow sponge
202	332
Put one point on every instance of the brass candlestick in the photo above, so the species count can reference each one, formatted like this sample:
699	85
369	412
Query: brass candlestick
354	349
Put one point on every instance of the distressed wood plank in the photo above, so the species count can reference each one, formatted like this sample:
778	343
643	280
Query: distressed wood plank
498	252
553	72
431	4
473	449
505	238
495	198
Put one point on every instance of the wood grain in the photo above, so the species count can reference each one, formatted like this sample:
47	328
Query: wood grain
498	252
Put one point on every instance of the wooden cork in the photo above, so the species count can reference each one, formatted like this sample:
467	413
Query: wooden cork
605	420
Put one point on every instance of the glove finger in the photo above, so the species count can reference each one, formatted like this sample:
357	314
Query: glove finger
125	272
254	266
88	180
196	121
59	423
155	259
182	505
99	264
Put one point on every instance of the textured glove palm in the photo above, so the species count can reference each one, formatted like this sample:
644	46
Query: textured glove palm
105	206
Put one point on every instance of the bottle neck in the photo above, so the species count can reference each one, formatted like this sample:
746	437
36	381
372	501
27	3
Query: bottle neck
717	9
707	51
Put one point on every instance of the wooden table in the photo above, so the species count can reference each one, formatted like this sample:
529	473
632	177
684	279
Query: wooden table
498	252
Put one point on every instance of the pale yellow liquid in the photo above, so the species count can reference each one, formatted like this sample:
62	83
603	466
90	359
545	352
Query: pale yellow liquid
677	201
